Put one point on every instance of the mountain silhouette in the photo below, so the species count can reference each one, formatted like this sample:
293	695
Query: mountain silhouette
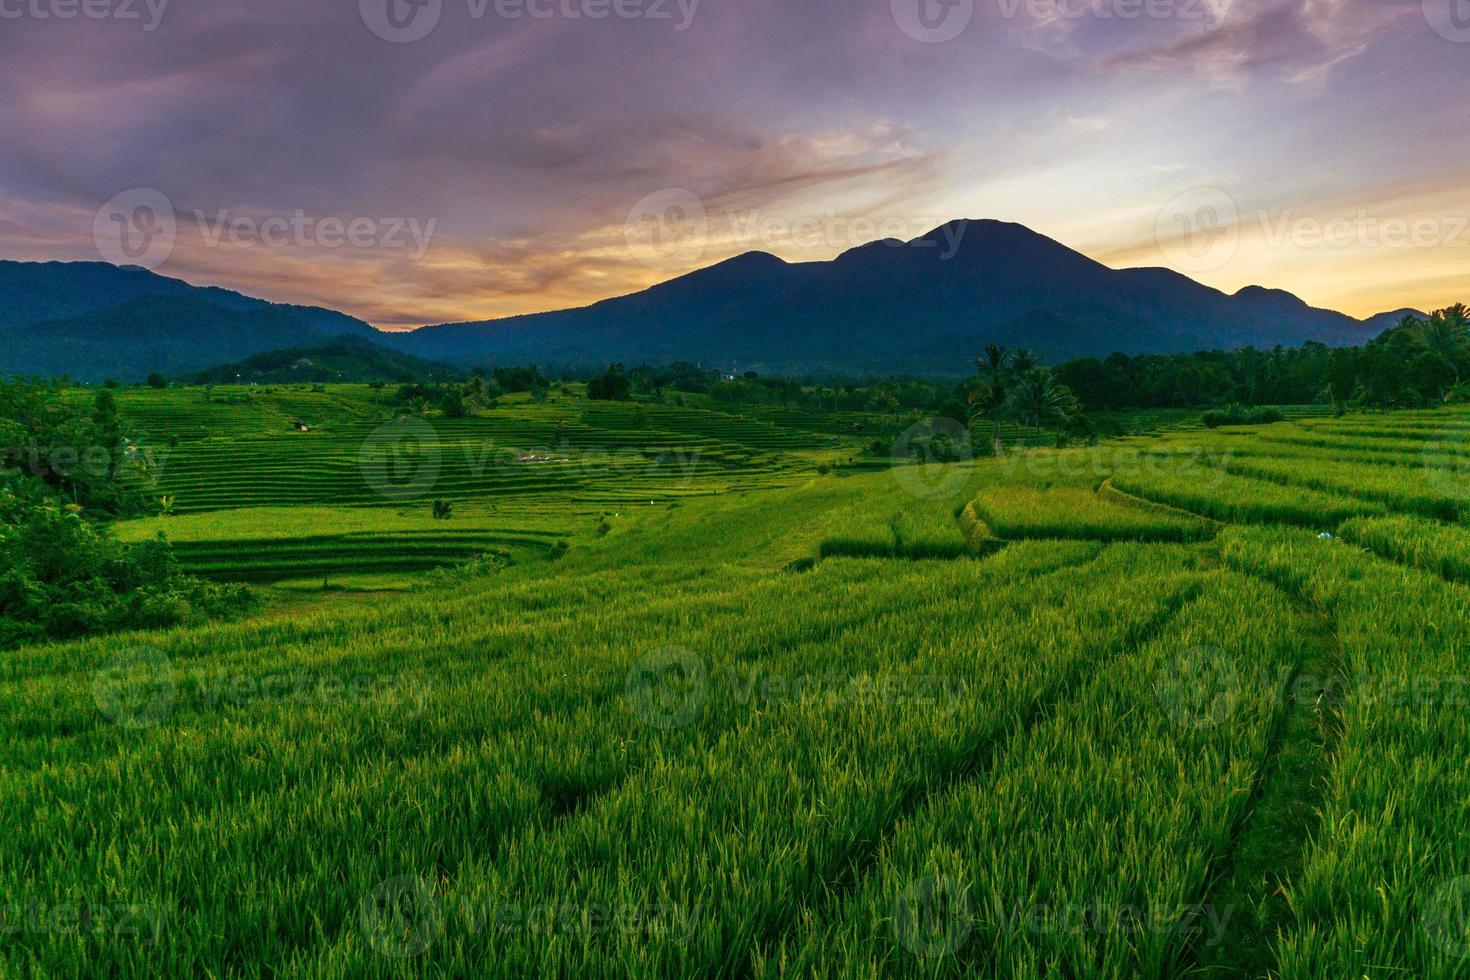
922	306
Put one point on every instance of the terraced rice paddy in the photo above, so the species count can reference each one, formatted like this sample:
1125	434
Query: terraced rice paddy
1190	704
525	479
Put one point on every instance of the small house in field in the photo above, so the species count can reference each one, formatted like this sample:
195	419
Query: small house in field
301	426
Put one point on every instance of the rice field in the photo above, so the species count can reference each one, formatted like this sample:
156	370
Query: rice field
732	704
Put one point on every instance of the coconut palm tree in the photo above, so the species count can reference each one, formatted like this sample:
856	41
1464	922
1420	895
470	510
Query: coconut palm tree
1446	337
988	393
476	391
1038	399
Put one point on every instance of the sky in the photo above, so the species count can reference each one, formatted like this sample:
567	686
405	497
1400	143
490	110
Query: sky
425	161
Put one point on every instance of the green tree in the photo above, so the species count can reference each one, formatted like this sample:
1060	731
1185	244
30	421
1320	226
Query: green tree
1039	400
1445	336
613	386
453	404
988	393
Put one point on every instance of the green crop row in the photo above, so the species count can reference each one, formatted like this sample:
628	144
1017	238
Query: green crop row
1383	887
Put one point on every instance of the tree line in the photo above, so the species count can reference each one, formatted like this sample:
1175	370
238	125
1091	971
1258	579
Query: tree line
1414	364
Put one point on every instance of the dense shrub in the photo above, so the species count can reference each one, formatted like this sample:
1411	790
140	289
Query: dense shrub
85	457
1241	415
64	577
65	468
613	386
519	379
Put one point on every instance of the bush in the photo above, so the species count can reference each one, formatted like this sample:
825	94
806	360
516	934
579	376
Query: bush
1241	415
613	386
50	446
453	404
480	566
519	379
65	577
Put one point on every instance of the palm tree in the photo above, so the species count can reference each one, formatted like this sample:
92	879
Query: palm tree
476	392
1039	399
988	391
1446	336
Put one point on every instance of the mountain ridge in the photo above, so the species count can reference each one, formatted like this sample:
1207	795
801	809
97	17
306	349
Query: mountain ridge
886	306
969	282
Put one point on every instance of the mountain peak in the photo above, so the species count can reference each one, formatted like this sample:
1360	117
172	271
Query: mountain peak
870	248
988	230
754	259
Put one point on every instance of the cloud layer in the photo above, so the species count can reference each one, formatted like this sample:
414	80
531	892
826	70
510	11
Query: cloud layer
528	133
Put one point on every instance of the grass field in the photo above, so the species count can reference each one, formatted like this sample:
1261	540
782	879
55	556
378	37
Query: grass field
732	700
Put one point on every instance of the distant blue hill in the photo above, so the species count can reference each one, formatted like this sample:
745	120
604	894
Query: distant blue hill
91	320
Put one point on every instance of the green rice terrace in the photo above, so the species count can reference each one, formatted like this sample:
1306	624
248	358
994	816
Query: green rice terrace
700	691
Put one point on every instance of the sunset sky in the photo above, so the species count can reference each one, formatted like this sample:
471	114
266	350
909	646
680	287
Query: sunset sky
1318	146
